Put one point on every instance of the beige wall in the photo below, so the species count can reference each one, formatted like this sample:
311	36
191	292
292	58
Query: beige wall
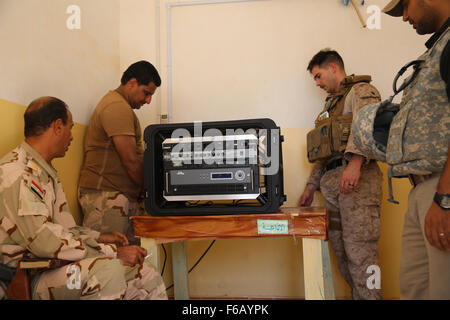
139	40
228	61
41	56
248	59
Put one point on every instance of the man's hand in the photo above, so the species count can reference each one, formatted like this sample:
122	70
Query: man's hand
308	195
437	227
350	176
131	255
437	220
115	237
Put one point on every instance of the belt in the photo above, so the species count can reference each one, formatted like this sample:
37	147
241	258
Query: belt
415	179
333	164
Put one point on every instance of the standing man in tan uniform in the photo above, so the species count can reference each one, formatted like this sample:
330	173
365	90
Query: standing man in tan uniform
111	179
349	182
35	222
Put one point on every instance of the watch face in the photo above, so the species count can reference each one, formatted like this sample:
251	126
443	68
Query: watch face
443	200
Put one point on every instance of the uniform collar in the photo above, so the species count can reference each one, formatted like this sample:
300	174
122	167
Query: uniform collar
33	154
435	37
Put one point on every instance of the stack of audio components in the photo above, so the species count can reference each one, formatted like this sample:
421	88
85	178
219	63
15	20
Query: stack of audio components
211	168
208	168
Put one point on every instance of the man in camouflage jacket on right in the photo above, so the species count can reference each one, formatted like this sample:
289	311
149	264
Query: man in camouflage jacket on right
418	146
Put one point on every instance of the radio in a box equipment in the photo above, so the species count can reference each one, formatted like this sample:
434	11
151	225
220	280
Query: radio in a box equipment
213	168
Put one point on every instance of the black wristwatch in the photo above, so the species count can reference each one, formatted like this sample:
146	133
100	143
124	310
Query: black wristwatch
442	200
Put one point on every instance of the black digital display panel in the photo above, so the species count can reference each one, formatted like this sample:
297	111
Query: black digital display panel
224	175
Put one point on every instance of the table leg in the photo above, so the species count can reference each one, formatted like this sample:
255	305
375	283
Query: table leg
180	274
317	270
153	251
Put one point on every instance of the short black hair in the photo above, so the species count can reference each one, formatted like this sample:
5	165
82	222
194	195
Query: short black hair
41	113
324	57
143	71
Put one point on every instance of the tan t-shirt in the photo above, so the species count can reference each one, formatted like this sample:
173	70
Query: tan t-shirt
102	168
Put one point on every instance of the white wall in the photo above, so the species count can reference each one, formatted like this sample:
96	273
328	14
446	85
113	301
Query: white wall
249	59
139	40
229	61
40	56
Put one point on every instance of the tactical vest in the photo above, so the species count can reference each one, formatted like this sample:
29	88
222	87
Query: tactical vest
420	131
329	137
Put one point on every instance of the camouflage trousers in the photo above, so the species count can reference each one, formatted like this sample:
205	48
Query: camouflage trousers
354	227
100	279
106	211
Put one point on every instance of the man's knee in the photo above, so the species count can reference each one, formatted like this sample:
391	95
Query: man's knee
106	279
145	282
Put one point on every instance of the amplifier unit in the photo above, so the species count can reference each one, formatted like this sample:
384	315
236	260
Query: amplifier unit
211	168
208	168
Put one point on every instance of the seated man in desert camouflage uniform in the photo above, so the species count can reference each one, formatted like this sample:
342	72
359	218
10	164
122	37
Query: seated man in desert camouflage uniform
35	221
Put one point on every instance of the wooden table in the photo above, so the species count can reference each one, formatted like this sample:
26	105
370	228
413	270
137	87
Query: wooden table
308	223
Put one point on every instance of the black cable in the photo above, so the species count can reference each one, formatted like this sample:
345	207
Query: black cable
169	287
165	258
198	204
236	202
198	261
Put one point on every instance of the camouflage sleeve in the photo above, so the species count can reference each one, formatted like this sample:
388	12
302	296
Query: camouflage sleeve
33	228
316	173
64	217
359	96
108	250
78	230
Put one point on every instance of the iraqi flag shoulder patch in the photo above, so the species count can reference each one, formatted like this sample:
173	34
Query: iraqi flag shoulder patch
37	190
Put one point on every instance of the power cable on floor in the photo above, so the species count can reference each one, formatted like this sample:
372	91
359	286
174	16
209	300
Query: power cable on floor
195	264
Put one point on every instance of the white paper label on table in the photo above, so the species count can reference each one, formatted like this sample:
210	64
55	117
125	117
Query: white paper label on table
273	226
